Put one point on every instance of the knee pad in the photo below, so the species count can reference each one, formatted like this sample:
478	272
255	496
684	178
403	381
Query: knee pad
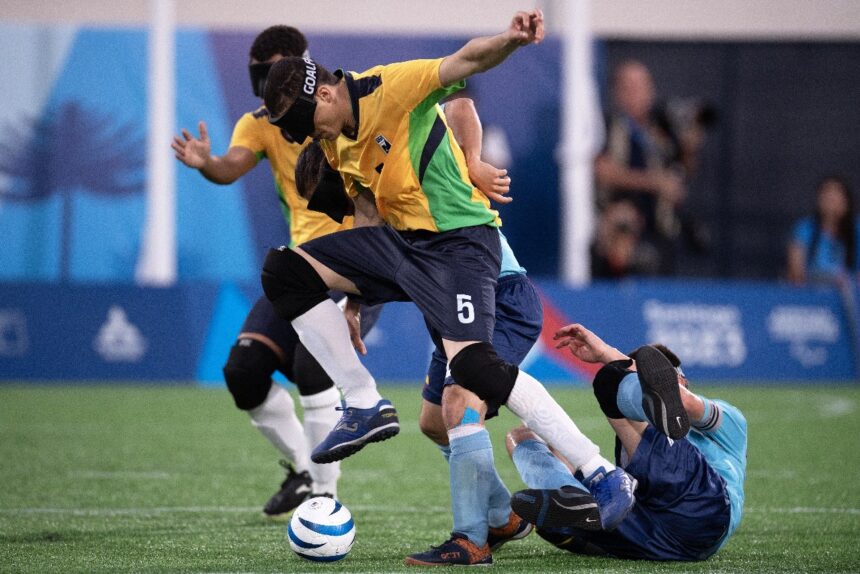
291	283
605	386
248	373
479	369
308	374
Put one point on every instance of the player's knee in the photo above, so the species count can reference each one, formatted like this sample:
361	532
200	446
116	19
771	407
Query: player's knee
606	383
248	373
431	424
291	283
517	435
479	369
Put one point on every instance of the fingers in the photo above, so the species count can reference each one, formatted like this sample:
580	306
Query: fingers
536	23
204	133
567	331
528	27
498	197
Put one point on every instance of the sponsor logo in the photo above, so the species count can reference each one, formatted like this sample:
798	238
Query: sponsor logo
383	143
13	333
705	335
807	330
118	340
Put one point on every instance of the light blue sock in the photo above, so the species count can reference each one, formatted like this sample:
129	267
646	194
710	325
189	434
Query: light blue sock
539	468
471	466
500	501
629	398
500	496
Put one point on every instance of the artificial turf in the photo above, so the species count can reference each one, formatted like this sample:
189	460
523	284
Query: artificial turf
172	479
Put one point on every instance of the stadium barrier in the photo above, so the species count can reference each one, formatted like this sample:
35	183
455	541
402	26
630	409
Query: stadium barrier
724	331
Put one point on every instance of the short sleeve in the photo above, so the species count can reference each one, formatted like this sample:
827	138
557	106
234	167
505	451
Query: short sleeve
247	134
416	82
802	233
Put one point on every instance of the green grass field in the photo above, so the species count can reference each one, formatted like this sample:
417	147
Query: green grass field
172	479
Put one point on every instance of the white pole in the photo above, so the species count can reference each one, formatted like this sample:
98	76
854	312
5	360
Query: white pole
157	262
582	134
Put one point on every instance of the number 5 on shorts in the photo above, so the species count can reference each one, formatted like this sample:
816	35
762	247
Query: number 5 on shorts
465	309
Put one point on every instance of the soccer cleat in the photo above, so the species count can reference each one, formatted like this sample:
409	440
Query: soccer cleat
661	397
564	507
515	529
294	490
613	492
356	428
456	551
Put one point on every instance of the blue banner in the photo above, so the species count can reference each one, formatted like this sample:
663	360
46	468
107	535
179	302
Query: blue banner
723	331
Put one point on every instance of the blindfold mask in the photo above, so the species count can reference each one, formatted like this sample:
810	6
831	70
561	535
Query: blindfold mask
259	72
298	119
330	197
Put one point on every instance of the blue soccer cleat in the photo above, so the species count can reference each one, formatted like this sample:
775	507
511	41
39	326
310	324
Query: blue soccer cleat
356	428
613	492
456	551
568	506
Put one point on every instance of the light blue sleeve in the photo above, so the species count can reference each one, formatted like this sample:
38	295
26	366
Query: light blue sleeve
510	265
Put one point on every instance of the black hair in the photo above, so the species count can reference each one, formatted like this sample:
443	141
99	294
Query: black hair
845	229
285	82
309	167
284	40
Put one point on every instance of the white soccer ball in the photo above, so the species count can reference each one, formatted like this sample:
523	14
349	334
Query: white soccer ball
321	530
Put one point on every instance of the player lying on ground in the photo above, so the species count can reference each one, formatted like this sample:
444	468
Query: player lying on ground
482	521
266	343
690	493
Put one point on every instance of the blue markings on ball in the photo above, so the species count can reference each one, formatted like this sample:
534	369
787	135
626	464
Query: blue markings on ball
298	541
329	529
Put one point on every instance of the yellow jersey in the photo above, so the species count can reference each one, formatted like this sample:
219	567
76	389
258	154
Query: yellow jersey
254	132
404	151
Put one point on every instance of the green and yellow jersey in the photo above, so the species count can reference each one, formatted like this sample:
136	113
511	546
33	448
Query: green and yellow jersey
254	132
404	151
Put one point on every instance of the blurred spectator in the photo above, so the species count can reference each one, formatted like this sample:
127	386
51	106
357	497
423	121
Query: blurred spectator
617	251
823	247
650	153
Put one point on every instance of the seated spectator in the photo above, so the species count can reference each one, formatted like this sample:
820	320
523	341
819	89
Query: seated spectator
617	250
823	247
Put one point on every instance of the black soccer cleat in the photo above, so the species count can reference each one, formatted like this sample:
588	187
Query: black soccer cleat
294	490
661	397
566	506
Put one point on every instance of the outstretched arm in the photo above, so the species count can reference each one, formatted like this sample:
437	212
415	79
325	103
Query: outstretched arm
466	125
197	153
483	53
587	346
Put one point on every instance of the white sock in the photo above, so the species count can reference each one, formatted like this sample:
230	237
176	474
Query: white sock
276	419
319	418
324	332
530	401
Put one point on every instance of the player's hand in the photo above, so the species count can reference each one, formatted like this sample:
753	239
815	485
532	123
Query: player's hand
526	28
193	152
352	312
583	344
491	181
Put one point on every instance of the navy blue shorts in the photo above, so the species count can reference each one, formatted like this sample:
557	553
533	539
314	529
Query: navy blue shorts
519	318
682	508
264	320
450	276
